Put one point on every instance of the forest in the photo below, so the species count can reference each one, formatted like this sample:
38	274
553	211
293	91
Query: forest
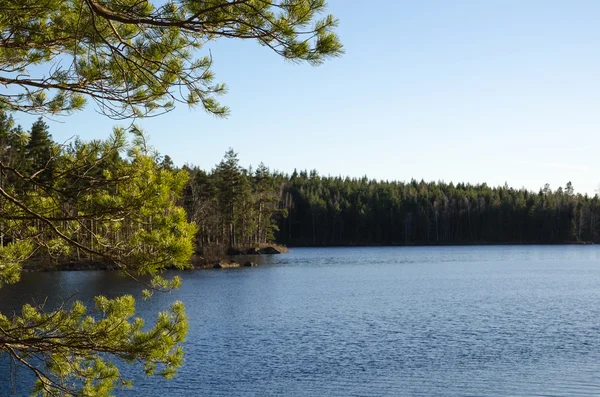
232	207
106	202
359	211
306	209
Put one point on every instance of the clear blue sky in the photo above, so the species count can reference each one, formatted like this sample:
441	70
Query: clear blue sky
467	91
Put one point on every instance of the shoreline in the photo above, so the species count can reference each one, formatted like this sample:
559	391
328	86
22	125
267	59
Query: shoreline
438	244
229	261
197	262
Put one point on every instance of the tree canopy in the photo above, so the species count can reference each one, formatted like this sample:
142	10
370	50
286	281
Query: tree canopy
325	211
306	209
107	201
139	58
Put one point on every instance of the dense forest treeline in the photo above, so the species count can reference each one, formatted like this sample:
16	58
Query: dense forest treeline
237	207
240	207
346	211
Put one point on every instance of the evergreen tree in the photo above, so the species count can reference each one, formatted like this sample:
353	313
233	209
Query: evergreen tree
229	181
167	163
138	59
267	195
39	151
127	217
134	59
569	189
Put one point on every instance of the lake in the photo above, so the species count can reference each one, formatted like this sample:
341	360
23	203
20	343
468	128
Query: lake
398	321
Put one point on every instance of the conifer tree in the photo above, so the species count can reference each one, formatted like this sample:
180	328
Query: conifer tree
98	206
267	195
132	59
569	190
39	151
138	58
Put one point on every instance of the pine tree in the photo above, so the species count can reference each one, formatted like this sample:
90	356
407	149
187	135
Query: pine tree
126	216
569	189
138	59
267	196
39	151
133	59
228	182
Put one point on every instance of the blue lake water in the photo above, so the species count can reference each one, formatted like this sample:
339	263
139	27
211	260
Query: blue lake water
402	321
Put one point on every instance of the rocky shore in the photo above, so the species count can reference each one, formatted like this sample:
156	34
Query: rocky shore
237	258
231	264
234	258
255	251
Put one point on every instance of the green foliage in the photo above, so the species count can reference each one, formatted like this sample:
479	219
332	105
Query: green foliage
79	348
136	58
360	211
11	258
237	207
109	201
39	150
100	206
233	206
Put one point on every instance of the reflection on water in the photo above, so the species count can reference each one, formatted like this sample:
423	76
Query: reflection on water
438	321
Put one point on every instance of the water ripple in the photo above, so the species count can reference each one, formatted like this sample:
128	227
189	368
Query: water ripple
446	321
